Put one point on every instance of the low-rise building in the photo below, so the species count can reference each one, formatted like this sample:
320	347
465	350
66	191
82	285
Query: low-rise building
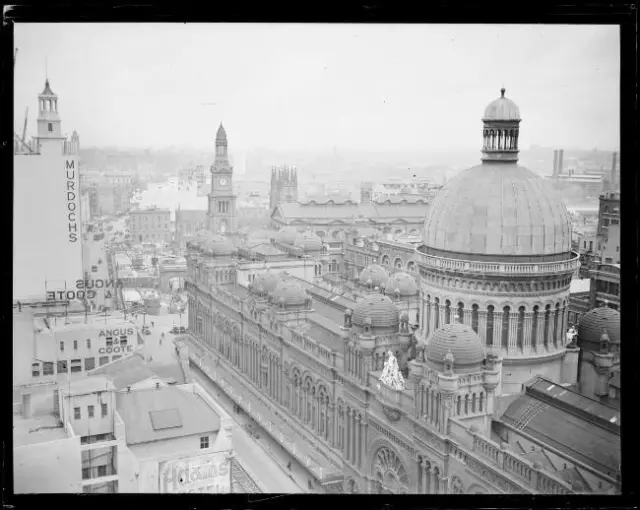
151	224
49	349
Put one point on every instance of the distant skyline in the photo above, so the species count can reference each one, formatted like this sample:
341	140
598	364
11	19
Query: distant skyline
311	87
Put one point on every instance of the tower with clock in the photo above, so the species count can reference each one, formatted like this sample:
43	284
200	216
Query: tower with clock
221	215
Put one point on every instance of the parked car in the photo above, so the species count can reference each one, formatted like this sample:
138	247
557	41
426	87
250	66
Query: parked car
183	329
175	330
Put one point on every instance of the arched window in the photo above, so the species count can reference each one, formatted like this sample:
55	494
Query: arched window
556	316
437	309
461	312
481	401
505	327
474	317
466	404
459	405
473	403
547	318
520	333
490	325
447	311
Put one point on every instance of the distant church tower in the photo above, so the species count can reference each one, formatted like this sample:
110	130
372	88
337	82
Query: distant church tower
50	138
284	186
221	216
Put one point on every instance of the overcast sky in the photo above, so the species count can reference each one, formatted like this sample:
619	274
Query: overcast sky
312	87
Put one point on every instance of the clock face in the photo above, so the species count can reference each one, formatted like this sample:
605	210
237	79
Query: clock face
223	182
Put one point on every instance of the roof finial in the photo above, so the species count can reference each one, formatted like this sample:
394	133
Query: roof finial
502	91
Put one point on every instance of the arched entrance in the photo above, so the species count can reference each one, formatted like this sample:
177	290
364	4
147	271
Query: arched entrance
389	472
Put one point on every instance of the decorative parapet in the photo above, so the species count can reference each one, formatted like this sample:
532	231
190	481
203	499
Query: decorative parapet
498	268
518	468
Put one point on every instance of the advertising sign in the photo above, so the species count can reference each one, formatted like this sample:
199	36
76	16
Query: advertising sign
208	474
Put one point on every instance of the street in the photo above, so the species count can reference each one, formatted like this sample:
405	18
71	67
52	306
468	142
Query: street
265	471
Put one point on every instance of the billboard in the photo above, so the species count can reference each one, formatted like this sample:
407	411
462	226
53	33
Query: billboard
47	224
207	474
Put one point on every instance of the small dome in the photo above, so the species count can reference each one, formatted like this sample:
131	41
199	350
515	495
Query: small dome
289	292
474	428
537	464
463	343
377	274
501	109
218	246
268	281
379	309
593	323
403	282
287	235
308	241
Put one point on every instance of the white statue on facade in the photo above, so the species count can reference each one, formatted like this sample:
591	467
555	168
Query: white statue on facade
572	333
391	376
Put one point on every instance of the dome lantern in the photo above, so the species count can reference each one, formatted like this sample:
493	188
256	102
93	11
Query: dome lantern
501	129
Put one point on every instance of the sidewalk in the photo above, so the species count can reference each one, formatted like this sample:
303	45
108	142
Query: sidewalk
254	454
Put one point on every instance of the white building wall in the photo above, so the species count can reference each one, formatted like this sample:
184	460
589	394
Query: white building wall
46	214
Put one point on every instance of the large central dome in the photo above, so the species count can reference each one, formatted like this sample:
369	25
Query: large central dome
498	208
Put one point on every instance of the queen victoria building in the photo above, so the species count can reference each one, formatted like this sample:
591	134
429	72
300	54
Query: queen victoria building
454	377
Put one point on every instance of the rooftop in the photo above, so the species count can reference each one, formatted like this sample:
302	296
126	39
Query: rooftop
590	431
164	413
125	371
38	429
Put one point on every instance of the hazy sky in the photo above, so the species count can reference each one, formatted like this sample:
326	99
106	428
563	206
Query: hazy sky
310	87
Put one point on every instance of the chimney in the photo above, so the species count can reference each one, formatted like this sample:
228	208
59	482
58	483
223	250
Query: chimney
555	163
560	158
614	180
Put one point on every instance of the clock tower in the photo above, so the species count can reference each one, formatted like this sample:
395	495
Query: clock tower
221	216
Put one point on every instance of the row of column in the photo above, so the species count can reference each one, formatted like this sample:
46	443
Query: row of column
429	479
354	431
48	105
354	362
500	139
511	330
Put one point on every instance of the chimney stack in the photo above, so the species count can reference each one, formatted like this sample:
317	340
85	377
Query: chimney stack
555	164
614	180
560	158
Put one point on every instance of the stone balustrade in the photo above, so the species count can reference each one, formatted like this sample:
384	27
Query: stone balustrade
431	261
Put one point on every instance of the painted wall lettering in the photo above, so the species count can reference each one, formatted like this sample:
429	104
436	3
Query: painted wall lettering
98	284
115	350
116	332
61	295
72	201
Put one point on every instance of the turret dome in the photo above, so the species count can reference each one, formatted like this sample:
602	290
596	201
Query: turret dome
287	235
218	246
402	282
461	341
289	292
379	310
593	323
377	274
501	109
308	241
267	281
